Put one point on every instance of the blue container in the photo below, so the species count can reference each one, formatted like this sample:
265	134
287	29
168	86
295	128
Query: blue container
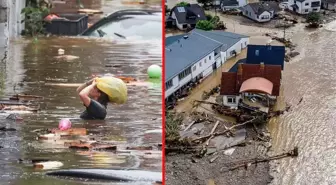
69	24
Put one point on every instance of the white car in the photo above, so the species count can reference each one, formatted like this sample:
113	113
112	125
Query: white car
283	5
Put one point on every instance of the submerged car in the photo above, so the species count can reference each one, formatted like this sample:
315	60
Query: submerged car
144	24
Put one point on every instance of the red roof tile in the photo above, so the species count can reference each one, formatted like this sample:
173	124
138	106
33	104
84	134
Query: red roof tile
269	72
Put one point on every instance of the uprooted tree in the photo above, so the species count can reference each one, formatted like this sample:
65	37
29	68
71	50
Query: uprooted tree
313	19
205	25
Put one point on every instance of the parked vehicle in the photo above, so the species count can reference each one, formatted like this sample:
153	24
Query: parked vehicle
124	24
283	5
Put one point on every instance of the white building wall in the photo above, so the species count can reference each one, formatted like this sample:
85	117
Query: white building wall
185	80
206	62
306	5
237	47
259	18
226	103
174	88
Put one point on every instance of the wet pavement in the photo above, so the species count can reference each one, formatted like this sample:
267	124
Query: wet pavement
30	65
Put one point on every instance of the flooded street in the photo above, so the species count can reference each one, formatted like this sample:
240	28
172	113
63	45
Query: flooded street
30	66
311	124
27	69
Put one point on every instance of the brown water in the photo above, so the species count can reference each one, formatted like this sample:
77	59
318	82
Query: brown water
311	124
30	65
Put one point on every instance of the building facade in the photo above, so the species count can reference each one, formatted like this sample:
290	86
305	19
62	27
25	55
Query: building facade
304	6
197	55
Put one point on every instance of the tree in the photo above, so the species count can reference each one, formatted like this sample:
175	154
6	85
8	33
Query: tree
205	25
313	18
182	4
209	17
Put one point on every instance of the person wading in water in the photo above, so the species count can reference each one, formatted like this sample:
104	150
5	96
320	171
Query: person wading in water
96	94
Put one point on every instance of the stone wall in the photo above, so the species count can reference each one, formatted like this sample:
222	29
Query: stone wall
10	20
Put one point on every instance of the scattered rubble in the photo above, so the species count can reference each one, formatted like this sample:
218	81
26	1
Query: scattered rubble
206	139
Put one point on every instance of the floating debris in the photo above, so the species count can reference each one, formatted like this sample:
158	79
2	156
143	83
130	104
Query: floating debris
7	129
48	165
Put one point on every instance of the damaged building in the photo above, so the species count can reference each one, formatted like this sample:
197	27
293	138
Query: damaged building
254	85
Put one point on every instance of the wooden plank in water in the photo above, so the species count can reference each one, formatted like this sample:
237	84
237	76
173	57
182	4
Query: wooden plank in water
12	102
26	97
72	131
143	84
90	11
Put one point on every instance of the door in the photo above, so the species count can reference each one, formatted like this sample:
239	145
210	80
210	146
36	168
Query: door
214	66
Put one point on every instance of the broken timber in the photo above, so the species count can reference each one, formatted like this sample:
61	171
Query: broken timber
223	132
246	163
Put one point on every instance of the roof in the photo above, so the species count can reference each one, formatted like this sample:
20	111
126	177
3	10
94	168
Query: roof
183	53
235	67
258	85
261	7
189	14
228	84
172	39
248	71
229	3
269	55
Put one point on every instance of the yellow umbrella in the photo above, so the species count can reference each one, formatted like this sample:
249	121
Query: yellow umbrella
115	88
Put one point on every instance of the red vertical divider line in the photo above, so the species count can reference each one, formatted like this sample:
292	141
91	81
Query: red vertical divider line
163	94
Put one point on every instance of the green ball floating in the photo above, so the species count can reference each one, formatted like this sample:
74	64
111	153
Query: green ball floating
154	71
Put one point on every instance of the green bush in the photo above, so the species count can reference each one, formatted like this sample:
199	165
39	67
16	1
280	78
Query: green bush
209	17
205	25
182	4
34	20
313	17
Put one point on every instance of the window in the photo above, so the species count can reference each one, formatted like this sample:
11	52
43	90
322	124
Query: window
306	10
184	73
200	64
194	68
315	9
169	84
245	43
209	57
143	26
256	52
233	52
231	99
307	4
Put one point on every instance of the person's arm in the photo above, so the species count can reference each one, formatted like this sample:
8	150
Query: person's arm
84	94
81	87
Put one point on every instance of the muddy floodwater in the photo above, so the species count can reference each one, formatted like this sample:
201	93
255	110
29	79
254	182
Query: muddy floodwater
30	65
309	125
